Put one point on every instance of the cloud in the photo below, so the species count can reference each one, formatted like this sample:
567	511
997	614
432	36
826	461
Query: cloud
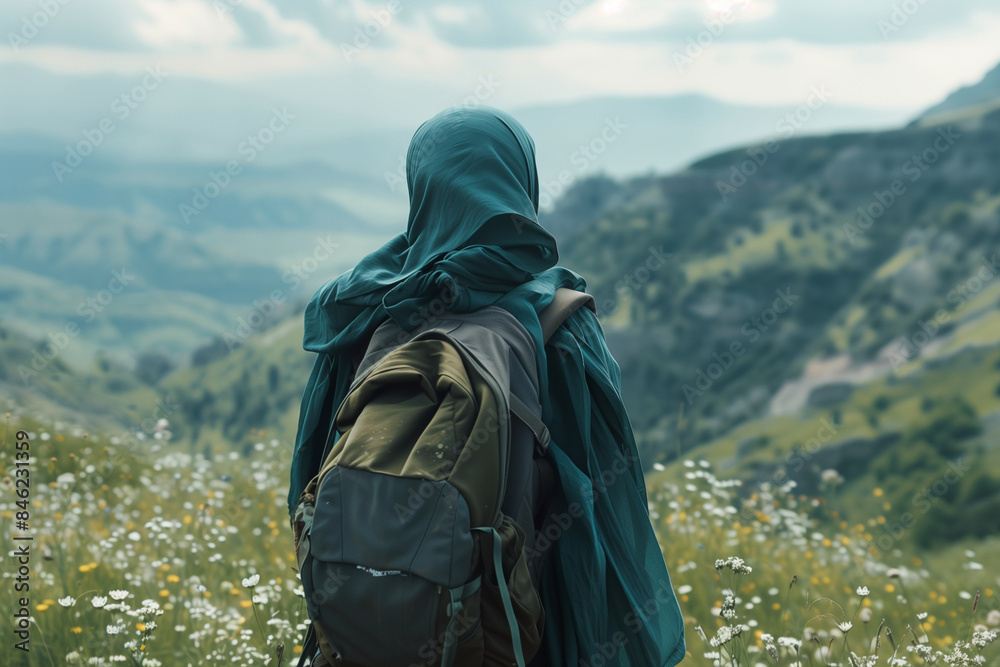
858	21
182	23
493	26
908	74
513	24
108	25
471	25
151	25
772	52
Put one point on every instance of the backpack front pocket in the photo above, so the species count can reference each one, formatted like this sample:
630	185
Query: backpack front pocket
390	569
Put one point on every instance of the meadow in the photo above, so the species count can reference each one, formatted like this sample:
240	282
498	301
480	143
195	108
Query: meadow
142	554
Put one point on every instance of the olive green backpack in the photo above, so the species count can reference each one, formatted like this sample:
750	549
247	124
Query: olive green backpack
413	539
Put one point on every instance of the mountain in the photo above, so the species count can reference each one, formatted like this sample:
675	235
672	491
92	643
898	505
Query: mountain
175	253
851	287
219	220
122	283
833	248
191	121
191	195
822	309
976	99
104	396
626	136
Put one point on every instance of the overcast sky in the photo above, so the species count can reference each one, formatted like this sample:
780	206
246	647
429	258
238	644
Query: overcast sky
433	53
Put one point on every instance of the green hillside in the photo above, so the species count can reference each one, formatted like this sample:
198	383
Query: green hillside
106	250
252	389
740	321
145	555
841	285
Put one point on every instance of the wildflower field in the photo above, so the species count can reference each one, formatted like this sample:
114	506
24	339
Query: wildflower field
142	554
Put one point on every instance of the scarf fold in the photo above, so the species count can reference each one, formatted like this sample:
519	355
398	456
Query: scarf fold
473	240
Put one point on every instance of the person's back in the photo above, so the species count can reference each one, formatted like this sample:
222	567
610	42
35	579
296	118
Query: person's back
472	241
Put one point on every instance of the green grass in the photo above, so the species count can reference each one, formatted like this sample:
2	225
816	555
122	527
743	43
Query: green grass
144	518
807	569
896	404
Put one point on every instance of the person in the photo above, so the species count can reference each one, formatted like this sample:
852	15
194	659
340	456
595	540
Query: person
473	239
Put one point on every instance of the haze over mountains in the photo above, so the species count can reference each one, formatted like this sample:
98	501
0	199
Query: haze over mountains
976	98
230	208
188	120
836	289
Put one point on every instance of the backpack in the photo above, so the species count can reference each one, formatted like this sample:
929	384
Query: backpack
415	541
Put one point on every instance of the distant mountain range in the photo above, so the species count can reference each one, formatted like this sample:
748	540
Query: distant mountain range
827	302
186	120
174	188
979	97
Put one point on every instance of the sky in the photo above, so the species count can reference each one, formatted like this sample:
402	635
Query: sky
408	58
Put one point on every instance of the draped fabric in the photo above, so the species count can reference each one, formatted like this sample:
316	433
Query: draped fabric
473	240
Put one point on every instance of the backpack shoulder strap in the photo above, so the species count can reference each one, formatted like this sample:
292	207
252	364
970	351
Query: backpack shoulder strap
532	421
565	303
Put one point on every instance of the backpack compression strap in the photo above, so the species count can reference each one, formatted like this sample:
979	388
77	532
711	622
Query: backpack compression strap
565	302
508	608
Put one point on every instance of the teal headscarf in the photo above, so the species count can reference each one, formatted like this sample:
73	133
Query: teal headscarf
472	240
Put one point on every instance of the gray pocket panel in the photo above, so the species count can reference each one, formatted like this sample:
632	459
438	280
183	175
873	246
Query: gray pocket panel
385	523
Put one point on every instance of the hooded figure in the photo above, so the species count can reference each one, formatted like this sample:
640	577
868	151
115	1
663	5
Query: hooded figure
473	240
